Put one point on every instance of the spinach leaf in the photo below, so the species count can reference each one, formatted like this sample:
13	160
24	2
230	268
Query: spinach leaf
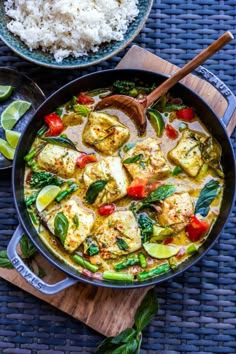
61	141
61	226
43	178
4	260
124	336
146	226
91	247
206	197
121	243
27	248
160	193
93	190
133	159
146	311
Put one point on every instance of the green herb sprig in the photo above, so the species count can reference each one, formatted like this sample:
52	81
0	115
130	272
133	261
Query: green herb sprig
129	341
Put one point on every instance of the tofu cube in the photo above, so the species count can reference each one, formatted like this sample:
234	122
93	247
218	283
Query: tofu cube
105	132
118	235
80	222
150	160
187	153
58	160
109	169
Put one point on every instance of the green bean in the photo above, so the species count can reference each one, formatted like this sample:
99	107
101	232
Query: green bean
127	263
66	192
173	107
117	276
32	199
33	218
163	268
83	263
142	260
30	155
33	165
42	130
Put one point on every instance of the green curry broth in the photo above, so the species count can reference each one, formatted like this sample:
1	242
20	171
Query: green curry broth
74	132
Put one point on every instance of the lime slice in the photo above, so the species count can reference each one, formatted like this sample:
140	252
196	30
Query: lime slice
6	150
160	251
46	196
12	137
156	121
13	113
5	92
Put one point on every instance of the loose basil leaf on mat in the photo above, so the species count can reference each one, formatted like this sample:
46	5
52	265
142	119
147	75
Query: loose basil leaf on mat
93	190
122	244
61	141
133	159
146	226
146	311
4	260
61	226
206	197
129	340
27	248
160	193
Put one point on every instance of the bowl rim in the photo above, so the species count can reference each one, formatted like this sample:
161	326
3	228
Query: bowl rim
78	66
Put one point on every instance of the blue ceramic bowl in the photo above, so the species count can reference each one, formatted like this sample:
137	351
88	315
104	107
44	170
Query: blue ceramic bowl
106	50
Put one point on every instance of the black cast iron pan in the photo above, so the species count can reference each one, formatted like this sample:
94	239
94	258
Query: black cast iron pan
103	79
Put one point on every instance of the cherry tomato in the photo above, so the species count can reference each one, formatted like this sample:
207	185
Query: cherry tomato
186	114
106	209
55	124
137	188
196	229
84	159
171	132
168	240
83	99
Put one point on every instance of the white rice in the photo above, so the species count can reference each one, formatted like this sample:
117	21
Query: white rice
70	27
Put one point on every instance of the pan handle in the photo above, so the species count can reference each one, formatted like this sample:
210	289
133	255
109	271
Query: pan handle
207	75
27	274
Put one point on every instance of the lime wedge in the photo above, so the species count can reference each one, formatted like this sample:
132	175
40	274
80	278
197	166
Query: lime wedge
46	196
6	150
156	121
12	137
5	92
160	251
13	113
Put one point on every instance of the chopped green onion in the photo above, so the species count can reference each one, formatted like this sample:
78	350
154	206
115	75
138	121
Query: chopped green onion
142	260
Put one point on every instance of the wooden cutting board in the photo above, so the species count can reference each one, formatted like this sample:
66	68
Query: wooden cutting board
109	311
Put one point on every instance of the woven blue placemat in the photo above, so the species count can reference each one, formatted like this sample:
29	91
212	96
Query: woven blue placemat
198	310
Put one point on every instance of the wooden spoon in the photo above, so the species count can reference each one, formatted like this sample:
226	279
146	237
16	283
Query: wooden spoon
136	110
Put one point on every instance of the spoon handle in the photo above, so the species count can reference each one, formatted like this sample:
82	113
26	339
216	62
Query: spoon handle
189	67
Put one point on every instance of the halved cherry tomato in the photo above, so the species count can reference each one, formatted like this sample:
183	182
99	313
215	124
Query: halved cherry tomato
186	114
196	229
168	240
137	188
171	132
83	99
84	159
152	187
106	209
55	124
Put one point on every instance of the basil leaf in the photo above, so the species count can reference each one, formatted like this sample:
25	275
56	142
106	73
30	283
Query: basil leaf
27	248
124	336
127	348
61	141
133	159
206	197
128	146
93	190
146	311
160	193
106	346
121	243
61	226
4	260
146	227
